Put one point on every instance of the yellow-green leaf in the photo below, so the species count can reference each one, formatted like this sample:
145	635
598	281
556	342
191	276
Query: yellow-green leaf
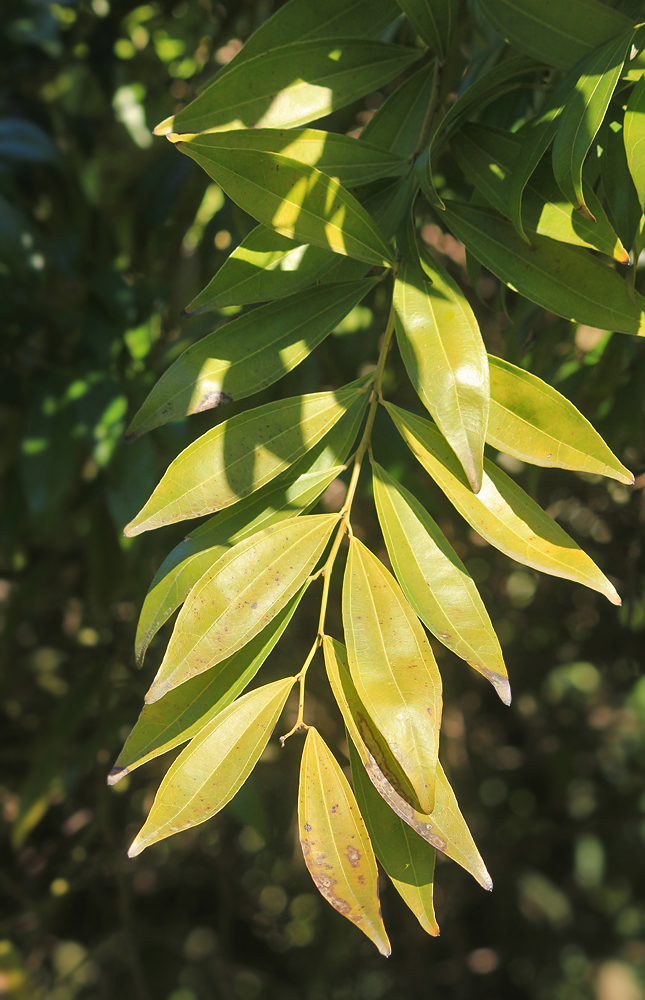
214	765
634	134
240	595
446	829
393	668
407	859
501	512
436	582
532	421
335	843
240	455
186	710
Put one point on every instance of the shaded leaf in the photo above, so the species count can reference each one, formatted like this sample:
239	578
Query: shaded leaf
335	843
240	455
248	354
564	279
186	710
436	582
501	512
434	20
621	195
240	595
398	123
634	133
214	765
532	421
407	859
393	668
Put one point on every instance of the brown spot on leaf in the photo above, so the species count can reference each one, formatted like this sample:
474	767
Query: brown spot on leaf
353	856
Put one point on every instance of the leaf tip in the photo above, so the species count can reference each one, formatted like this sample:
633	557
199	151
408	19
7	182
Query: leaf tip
116	774
136	847
185	314
164	127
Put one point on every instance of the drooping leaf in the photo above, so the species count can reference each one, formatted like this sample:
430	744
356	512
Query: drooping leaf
564	279
488	155
248	354
555	32
434	20
300	202
240	455
501	512
335	843
584	112
407	858
444	354
186	710
621	195
445	829
634	133
436	582
214	765
532	421
398	124
393	668
291	84
240	595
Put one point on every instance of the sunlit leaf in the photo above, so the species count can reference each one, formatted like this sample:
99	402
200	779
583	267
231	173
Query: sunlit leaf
398	123
393	668
407	858
436	582
532	421
248	354
240	455
335	843
240	595
434	20
501	512
634	132
214	765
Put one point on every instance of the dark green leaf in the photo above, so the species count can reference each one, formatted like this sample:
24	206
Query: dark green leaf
434	20
398	123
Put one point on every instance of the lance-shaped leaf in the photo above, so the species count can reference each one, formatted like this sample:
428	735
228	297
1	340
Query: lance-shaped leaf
291	84
393	668
240	595
532	421
434	20
558	33
214	765
240	455
634	134
444	354
446	829
487	157
406	857
620	192
248	354
186	710
564	279
300	202
436	582
398	123
335	843
501	512
584	112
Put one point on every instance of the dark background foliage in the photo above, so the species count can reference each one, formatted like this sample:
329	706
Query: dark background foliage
105	234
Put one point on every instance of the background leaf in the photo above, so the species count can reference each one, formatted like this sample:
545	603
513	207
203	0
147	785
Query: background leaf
434	20
398	124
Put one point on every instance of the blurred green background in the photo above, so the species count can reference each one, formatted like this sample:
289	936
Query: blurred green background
105	234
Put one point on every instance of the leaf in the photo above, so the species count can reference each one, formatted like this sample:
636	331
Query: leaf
214	765
634	134
487	157
584	112
291	84
445	829
558	33
621	195
532	421
240	595
335	843
434	20
300	202
501	512
393	668
564	279
407	859
186	710
443	353
240	455
248	354
436	582
398	124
